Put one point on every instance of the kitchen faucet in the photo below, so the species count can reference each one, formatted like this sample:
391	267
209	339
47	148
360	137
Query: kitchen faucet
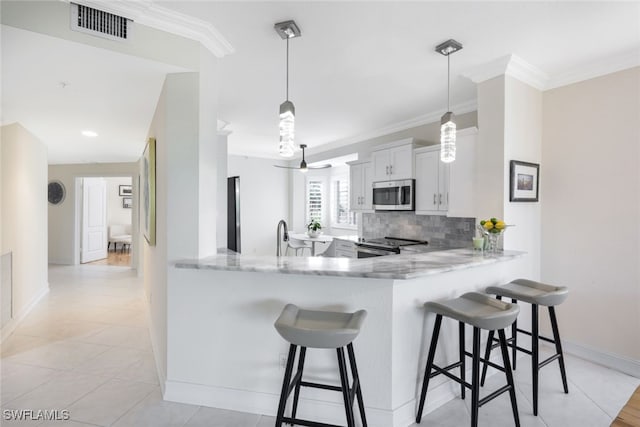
285	237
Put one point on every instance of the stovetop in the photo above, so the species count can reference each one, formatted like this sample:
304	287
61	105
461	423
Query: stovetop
394	242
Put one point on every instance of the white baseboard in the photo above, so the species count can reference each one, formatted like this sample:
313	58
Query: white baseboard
162	380
610	360
267	404
311	409
19	317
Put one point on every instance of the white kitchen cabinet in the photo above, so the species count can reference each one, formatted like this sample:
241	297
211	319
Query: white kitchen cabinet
345	248
361	180
462	176
432	182
447	188
394	163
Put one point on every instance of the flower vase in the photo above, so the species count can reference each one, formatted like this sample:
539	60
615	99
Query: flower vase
492	242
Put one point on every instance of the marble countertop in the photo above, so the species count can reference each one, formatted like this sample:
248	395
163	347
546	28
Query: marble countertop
388	267
351	238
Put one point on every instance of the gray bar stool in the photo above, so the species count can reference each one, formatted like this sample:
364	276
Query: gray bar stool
536	294
320	329
482	312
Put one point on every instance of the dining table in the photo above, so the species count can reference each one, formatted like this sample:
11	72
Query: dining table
322	238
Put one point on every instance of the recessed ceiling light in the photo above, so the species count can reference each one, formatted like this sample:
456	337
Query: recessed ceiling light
89	133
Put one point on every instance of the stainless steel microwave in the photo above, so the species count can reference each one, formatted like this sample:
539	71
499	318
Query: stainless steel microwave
394	195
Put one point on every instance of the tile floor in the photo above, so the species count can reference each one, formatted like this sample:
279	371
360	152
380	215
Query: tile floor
86	348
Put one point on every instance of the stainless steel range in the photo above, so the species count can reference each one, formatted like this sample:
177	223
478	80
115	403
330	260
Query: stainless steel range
384	246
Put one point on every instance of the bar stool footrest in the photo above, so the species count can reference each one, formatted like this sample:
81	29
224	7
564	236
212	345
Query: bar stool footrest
301	422
321	386
522	331
494	394
549	360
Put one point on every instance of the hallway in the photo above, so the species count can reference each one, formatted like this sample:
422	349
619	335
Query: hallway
85	349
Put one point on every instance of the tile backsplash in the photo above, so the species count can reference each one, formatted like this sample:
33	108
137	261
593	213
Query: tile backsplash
436	229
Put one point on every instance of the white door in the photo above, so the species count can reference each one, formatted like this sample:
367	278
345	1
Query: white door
94	220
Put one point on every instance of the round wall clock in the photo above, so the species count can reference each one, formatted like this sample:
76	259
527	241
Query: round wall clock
56	192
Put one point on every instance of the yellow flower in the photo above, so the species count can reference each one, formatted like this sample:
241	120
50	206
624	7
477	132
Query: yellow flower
500	225
488	225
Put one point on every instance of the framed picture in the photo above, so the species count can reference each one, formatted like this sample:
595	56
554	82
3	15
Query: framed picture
126	202
524	181
124	190
148	192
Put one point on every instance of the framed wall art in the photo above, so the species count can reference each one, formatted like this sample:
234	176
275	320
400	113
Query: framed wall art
148	193
125	190
524	181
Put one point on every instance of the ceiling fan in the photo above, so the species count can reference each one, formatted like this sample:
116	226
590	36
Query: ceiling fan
303	164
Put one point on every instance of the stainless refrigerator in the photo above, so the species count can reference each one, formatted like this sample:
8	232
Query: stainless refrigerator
233	213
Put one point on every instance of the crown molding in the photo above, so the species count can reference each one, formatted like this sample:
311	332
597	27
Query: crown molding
596	69
146	12
433	117
510	65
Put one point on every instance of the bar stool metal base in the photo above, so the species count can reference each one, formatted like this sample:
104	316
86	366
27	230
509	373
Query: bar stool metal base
349	392
432	370
536	364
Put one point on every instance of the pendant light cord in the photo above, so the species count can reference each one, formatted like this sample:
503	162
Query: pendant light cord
448	81
287	69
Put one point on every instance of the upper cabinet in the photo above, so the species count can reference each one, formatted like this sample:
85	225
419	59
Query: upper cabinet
432	182
395	162
361	180
447	188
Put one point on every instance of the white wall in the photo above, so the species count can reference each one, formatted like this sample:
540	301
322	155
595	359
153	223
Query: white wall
24	216
522	141
64	232
116	214
591	210
186	175
264	200
489	194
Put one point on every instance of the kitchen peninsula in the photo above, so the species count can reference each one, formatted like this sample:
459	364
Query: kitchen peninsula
223	351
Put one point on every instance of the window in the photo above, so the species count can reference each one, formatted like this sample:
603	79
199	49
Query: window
315	205
340	214
327	197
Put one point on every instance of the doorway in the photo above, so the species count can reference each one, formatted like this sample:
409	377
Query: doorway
105	216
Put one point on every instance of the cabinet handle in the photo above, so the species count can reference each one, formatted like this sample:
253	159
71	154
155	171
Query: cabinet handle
391	170
434	199
440	198
387	170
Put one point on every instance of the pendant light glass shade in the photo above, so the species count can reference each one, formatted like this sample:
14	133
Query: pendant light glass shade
447	138
287	128
447	125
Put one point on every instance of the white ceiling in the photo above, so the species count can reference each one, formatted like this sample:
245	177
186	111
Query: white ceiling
112	94
358	67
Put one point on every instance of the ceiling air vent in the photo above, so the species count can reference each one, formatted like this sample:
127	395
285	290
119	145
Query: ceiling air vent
100	23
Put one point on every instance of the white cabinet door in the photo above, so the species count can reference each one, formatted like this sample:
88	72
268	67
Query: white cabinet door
381	165
367	186
462	178
355	187
401	162
427	181
361	187
443	185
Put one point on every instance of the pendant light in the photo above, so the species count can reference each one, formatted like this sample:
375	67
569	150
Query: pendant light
287	30
447	124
